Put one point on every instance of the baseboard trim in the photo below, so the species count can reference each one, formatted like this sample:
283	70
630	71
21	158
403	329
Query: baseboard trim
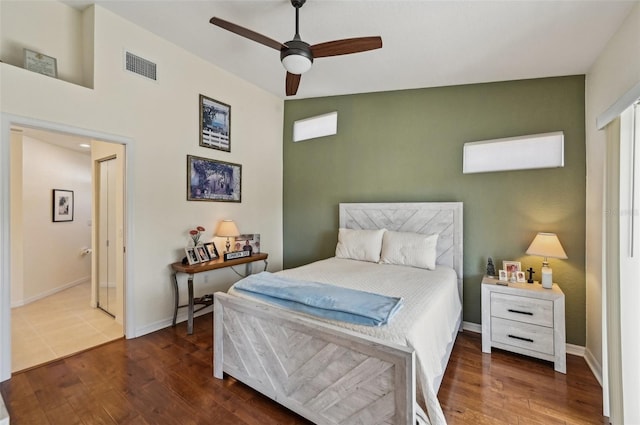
4	415
165	323
472	327
21	303
593	364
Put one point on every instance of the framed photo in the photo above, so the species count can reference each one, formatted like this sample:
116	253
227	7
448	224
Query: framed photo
211	180
42	64
520	277
192	257
211	250
511	267
203	255
502	275
62	206
248	242
215	124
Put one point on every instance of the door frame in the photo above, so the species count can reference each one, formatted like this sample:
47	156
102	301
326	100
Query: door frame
7	120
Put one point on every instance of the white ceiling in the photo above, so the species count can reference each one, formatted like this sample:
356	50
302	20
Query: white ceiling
426	43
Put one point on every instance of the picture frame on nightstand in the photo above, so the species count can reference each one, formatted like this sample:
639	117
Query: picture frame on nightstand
511	267
502	276
520	278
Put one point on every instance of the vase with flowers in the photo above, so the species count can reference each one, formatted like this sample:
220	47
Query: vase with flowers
195	235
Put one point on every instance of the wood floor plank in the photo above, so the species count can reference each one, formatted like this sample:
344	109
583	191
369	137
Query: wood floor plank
166	378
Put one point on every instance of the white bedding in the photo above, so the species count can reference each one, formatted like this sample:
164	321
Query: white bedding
426	322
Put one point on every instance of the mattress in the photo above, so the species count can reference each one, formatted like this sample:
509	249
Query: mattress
426	322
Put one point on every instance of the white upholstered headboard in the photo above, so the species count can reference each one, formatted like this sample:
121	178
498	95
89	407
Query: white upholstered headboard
443	218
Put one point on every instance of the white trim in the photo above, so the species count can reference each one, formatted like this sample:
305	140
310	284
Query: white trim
7	120
472	327
50	292
593	364
575	350
618	107
4	415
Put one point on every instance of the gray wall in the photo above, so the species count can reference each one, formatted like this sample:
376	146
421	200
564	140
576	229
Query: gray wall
406	146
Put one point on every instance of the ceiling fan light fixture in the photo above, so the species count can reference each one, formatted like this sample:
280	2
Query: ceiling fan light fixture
296	63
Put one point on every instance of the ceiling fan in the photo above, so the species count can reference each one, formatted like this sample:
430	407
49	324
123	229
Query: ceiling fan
296	55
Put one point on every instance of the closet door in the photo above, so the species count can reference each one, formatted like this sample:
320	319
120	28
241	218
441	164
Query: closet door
107	300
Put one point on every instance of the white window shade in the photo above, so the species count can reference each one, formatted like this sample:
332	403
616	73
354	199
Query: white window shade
318	126
514	153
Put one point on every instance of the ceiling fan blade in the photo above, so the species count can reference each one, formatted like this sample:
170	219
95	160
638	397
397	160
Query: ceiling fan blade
291	84
346	46
247	33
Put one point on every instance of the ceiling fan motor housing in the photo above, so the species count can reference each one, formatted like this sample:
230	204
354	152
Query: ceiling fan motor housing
297	57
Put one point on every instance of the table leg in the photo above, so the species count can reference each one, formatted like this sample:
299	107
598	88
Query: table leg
190	306
176	299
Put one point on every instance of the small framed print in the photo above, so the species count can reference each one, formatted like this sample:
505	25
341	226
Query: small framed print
502	275
42	64
62	207
520	277
192	257
215	124
511	267
203	255
210	247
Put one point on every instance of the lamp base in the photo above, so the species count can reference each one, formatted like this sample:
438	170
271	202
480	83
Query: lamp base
547	278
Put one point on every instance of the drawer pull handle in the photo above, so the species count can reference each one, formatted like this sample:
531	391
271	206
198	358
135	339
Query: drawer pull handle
520	312
520	338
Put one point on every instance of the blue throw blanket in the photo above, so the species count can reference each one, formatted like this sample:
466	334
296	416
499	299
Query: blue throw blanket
321	299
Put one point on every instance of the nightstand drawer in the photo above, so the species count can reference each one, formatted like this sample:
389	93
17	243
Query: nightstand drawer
524	335
522	309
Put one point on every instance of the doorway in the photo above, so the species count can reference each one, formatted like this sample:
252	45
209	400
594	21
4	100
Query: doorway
9	270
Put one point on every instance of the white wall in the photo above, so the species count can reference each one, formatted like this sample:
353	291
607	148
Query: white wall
52	257
162	121
615	72
63	41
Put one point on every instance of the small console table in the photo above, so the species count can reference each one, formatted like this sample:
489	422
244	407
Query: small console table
205	300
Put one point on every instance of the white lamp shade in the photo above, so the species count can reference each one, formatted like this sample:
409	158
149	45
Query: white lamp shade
227	229
296	64
547	245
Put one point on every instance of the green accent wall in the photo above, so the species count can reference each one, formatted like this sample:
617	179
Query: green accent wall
406	146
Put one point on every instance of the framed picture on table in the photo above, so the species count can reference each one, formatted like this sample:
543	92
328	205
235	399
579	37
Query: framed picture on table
211	250
192	257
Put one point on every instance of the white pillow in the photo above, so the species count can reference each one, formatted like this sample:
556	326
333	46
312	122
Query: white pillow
409	249
363	245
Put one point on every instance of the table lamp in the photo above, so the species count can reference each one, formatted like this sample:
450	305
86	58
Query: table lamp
546	245
227	229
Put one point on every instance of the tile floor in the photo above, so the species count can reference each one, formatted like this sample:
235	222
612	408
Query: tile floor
58	326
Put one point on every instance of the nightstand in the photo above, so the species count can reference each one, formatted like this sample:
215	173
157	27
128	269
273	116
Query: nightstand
524	318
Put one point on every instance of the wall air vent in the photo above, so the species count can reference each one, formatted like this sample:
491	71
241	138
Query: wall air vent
140	66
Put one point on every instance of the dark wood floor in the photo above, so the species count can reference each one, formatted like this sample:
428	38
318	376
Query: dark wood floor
166	378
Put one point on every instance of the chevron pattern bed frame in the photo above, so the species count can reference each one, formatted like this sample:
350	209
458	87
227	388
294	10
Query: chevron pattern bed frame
327	374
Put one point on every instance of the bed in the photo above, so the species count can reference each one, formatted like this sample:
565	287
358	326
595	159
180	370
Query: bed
333	372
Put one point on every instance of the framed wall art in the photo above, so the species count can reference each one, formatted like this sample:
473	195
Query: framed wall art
42	64
215	124
212	180
62	206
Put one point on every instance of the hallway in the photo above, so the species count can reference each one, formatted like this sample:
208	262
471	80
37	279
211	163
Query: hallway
57	326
